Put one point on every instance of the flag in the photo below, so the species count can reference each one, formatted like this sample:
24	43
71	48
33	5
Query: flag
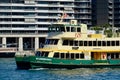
65	15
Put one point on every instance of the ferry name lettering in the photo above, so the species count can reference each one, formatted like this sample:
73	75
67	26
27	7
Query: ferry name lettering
43	59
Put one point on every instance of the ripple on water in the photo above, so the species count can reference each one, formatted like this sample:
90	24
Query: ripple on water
8	71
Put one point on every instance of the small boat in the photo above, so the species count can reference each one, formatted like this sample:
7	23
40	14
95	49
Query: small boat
69	45
7	52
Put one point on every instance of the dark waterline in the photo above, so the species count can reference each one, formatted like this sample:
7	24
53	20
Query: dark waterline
8	71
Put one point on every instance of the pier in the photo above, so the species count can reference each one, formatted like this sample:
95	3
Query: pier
20	42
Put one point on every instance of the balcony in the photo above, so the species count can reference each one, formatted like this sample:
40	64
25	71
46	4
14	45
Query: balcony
83	18
82	0
58	0
27	29
41	22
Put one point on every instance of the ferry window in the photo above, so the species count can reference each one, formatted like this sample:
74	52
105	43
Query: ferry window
72	55
117	55
75	43
47	41
56	55
108	43
49	29
68	29
73	29
103	43
62	55
50	41
108	56
112	55
77	55
71	42
46	54
80	43
38	53
90	43
117	43
52	29
57	29
99	43
42	54
65	42
85	43
67	55
81	55
62	29
94	43
113	43
55	41
78	29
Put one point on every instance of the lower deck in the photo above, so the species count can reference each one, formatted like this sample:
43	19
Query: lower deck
63	63
70	60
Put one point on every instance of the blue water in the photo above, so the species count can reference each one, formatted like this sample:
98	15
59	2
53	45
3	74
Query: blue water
8	71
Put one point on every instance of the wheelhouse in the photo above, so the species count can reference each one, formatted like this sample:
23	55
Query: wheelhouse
64	28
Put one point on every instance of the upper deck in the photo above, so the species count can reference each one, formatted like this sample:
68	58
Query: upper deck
71	30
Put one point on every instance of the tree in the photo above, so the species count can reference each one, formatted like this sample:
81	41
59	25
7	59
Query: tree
96	28
107	30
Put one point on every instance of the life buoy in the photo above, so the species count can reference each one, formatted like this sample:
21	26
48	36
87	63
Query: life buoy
104	55
77	35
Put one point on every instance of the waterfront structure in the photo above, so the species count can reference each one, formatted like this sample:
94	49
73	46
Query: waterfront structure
69	45
26	22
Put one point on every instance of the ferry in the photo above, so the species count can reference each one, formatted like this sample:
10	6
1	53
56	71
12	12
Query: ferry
69	45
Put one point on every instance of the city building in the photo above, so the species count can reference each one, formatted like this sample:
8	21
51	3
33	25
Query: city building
24	23
100	12
114	13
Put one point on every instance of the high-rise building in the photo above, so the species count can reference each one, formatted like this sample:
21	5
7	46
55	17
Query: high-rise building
100	8
114	13
26	22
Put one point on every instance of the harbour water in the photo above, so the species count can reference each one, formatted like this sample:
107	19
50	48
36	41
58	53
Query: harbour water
8	71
